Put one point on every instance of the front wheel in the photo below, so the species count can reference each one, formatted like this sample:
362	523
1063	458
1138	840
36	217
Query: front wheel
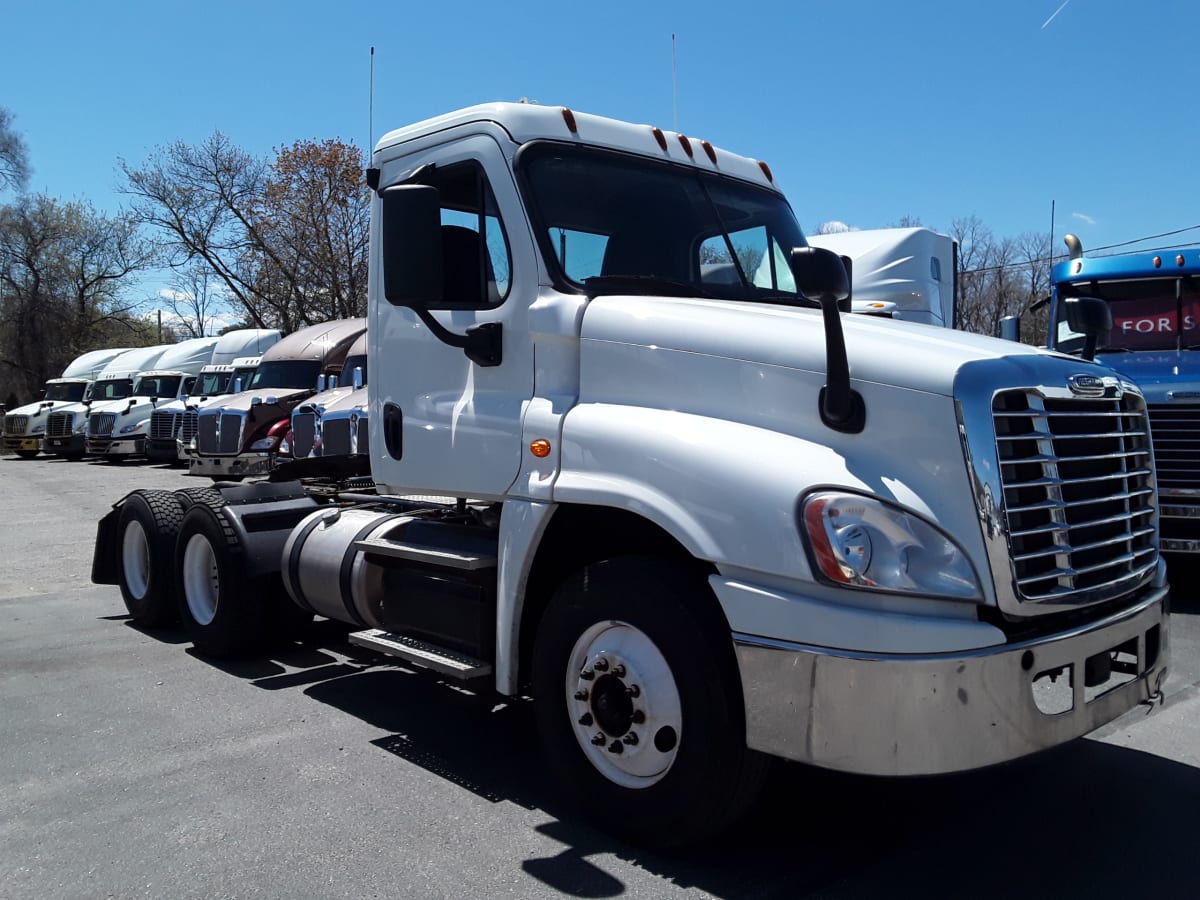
639	705
27	454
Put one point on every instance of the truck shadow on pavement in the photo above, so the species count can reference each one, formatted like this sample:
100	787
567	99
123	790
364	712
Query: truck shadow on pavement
1084	820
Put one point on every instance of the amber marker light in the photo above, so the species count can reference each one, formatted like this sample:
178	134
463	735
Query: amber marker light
687	145
659	137
540	448
1179	260
709	151
766	170
1158	262
569	118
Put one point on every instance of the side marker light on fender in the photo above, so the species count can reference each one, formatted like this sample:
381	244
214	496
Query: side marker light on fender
540	448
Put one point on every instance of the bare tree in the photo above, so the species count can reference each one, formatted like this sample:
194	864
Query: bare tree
64	279
14	156
195	299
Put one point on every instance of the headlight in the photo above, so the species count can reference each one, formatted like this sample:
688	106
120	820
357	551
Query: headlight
136	426
864	542
267	443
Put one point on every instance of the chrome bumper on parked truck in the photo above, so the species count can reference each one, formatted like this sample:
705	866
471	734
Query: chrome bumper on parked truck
231	466
893	714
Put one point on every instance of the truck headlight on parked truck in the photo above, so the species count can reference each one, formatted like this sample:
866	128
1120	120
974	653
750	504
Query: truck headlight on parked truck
136	426
863	542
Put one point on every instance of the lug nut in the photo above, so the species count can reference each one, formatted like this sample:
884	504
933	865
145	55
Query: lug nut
581	694
601	665
638	717
631	739
585	720
619	670
633	691
616	747
587	675
598	739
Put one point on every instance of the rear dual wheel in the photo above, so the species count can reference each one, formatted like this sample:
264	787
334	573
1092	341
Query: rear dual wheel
147	526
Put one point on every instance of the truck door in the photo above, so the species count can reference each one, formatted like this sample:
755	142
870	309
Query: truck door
458	422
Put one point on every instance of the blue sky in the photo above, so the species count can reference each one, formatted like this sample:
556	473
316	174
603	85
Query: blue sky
866	110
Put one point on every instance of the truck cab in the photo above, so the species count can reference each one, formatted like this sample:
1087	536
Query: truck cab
1154	306
240	435
307	432
217	378
25	427
118	428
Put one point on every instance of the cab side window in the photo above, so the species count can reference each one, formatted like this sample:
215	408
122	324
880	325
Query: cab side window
476	262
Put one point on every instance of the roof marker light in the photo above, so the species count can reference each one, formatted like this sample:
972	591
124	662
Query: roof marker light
687	145
660	137
766	170
569	118
1158	262
709	152
1179	260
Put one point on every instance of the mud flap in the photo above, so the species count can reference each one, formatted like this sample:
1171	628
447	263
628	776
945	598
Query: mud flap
104	557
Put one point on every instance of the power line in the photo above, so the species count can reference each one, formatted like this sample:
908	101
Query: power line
1026	263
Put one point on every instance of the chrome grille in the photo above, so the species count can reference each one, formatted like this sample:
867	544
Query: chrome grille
1176	432
60	424
163	425
361	435
335	436
15	424
101	423
1078	494
188	422
219	432
304	433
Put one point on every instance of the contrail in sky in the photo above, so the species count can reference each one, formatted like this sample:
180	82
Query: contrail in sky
1056	12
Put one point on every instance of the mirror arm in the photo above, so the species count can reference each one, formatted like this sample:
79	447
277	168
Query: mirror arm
482	344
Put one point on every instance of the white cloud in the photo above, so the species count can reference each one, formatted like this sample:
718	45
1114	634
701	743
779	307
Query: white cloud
1082	217
834	227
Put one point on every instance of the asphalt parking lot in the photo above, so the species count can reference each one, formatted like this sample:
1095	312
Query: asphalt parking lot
130	767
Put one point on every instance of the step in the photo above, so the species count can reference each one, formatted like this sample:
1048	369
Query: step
422	653
424	553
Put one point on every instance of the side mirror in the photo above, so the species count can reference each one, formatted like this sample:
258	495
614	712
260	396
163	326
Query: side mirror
1091	317
357	378
820	275
411	237
237	385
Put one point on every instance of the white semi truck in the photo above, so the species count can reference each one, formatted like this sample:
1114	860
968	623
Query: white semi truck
66	427
25	427
328	433
117	429
700	522
215	379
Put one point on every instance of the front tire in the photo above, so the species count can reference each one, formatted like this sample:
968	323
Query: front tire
218	604
28	454
639	704
147	528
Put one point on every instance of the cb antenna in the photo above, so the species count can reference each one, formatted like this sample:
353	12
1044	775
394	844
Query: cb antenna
371	107
674	83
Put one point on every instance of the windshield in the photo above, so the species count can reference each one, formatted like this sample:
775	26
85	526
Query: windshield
1145	313
616	223
157	386
116	389
212	383
72	392
346	379
295	374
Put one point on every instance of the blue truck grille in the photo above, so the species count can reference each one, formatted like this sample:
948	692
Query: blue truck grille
1078	494
1176	432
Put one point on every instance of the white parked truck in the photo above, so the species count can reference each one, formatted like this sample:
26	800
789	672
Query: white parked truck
215	379
66	427
117	429
25	427
325	432
699	521
900	273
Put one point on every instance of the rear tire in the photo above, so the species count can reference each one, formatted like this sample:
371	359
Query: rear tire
220	606
639	705
147	527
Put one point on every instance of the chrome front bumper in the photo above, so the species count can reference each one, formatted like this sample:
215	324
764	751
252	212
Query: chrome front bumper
106	446
231	466
893	714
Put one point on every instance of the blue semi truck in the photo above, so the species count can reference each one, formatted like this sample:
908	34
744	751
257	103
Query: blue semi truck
1154	301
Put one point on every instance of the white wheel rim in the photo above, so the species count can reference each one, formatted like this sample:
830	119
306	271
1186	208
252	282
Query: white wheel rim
135	559
201	579
624	704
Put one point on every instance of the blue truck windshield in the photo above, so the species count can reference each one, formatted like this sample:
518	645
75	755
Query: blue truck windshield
1146	315
616	223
